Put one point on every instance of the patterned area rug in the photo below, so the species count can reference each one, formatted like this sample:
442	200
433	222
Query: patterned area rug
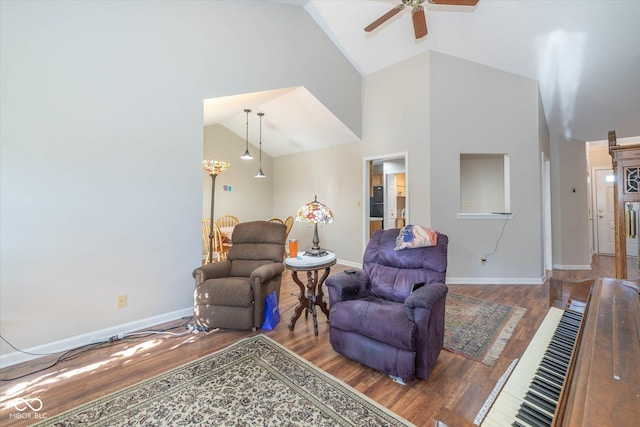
479	329
255	381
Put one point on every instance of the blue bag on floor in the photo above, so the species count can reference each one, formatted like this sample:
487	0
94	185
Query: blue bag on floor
271	312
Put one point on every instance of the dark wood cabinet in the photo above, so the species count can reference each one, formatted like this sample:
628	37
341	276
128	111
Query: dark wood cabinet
626	167
374	224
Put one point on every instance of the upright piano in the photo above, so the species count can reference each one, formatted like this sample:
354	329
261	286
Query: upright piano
580	369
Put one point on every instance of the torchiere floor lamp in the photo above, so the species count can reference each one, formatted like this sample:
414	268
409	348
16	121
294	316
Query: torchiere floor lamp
213	168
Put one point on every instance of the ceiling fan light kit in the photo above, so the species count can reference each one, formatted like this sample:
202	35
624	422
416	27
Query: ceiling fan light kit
417	14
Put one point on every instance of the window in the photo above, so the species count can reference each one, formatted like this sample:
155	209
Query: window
484	183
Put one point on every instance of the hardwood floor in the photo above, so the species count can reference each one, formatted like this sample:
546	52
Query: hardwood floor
457	383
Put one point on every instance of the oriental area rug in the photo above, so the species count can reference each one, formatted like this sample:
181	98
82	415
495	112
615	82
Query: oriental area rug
255	381
478	329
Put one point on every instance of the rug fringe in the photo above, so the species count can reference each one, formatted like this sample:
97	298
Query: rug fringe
491	358
494	393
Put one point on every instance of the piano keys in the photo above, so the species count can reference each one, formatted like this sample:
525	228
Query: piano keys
530	395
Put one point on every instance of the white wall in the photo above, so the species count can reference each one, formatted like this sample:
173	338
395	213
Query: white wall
101	183
545	196
396	119
477	109
599	157
334	175
569	192
250	198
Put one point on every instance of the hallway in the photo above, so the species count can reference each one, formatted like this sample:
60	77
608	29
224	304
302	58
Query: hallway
601	266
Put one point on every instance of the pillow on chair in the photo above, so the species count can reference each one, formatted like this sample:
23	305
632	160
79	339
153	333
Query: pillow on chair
414	236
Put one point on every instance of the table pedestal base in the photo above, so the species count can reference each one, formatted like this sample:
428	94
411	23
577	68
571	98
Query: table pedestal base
310	296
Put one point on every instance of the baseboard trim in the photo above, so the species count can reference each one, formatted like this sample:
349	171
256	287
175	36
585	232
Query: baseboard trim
66	344
571	267
475	280
349	263
495	280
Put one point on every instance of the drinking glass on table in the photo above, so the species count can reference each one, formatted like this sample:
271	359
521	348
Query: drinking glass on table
293	248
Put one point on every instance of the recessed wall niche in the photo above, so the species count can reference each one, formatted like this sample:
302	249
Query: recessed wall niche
484	183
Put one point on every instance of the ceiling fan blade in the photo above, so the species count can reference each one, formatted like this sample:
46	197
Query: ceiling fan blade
384	18
455	2
419	22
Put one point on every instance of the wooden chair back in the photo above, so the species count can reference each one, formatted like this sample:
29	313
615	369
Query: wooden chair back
225	245
218	253
227	221
288	222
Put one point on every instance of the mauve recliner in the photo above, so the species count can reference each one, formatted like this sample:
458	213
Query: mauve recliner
374	317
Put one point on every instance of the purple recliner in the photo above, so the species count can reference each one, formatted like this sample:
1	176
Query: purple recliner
374	317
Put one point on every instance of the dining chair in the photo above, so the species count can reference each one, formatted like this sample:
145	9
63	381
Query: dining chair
288	222
227	221
217	253
224	242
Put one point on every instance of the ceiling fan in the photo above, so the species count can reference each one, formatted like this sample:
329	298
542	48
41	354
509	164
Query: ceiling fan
419	22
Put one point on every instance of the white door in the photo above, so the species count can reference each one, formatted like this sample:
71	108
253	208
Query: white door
604	215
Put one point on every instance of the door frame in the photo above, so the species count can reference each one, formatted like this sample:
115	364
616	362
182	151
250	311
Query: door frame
546	212
367	182
594	208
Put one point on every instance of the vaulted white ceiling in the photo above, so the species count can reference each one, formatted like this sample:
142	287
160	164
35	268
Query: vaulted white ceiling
294	120
585	54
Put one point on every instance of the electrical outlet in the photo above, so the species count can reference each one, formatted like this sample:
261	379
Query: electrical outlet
122	301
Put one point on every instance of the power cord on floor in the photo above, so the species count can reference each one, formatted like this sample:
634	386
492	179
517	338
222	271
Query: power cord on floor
292	305
73	353
65	356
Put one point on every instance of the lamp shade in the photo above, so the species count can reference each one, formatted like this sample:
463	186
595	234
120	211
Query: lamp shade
215	167
315	213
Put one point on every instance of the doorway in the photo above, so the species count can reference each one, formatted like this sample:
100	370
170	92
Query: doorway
385	193
604	218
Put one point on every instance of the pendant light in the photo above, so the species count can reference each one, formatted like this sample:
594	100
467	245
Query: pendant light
260	174
247	155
